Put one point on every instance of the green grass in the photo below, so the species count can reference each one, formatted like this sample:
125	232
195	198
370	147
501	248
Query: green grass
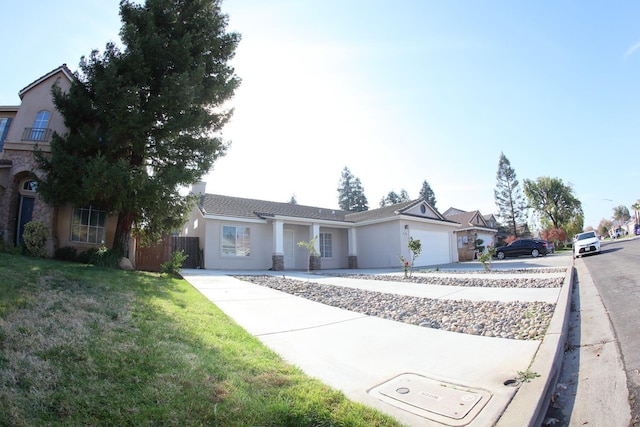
81	345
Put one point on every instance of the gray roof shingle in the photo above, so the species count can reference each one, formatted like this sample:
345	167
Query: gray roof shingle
381	213
218	205
214	204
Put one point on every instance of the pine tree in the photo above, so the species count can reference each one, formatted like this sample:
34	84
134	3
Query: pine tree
145	121
393	198
351	193
508	196
427	193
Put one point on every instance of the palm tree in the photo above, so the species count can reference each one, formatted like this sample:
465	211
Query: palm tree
636	210
621	213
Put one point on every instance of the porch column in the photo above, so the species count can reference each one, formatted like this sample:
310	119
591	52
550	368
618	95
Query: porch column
352	259
277	259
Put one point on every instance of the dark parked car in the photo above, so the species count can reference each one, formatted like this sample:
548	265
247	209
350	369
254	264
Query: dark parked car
533	247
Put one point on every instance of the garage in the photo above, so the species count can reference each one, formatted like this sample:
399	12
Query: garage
435	247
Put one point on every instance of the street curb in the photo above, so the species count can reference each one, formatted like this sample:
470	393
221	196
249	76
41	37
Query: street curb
529	405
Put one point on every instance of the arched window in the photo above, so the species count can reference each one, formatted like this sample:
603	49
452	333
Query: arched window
30	186
39	129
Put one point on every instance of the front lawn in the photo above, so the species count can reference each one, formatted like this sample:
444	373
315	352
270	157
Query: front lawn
81	345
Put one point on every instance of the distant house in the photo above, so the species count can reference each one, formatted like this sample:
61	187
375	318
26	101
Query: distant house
491	221
237	233
22	128
473	228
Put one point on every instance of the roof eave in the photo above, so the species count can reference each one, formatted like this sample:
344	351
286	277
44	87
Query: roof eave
63	68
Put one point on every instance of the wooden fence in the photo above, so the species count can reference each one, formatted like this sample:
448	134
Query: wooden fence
150	258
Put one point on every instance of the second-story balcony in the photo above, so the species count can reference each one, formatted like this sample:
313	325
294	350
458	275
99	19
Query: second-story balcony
37	134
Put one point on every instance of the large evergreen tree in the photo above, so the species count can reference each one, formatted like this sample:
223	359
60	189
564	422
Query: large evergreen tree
555	202
145	120
427	193
393	198
351	193
508	196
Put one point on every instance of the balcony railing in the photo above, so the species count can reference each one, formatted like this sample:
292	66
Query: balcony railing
37	134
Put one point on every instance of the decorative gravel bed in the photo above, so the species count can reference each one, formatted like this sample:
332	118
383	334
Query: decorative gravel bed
514	320
497	271
461	280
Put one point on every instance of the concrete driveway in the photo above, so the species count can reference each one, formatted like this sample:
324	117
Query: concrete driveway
421	376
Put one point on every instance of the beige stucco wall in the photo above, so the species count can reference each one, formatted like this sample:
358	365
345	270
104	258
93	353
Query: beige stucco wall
261	247
196	226
379	245
339	242
37	99
340	248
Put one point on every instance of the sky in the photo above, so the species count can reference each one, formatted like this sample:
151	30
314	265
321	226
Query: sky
398	92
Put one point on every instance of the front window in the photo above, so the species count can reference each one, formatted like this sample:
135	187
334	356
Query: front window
326	248
4	129
40	124
236	241
87	225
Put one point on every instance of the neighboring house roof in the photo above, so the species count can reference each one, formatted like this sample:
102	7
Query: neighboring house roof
490	218
392	211
453	211
467	220
227	206
63	68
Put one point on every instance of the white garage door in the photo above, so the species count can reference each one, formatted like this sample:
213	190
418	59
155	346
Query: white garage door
435	247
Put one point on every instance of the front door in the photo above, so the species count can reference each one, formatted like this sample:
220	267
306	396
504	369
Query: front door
25	213
289	250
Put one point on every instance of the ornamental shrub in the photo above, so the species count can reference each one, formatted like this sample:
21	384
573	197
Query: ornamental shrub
35	238
100	257
174	266
66	253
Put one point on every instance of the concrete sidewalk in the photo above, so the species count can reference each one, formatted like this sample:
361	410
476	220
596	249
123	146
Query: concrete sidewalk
420	376
592	387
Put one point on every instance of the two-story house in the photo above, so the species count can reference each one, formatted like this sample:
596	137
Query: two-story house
23	128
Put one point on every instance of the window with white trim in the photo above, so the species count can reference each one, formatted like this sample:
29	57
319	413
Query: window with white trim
326	248
87	225
236	240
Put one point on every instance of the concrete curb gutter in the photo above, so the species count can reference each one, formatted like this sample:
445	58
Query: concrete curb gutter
529	405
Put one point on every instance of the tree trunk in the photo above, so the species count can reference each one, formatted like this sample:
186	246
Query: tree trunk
123	233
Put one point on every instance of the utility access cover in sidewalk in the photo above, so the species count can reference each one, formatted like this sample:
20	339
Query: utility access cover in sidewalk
447	403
